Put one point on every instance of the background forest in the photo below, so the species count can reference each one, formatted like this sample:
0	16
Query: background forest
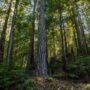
44	44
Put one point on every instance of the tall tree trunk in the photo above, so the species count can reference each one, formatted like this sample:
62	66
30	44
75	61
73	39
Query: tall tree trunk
63	43
84	42
75	22
3	33
75	44
54	43
79	29
82	26
65	40
41	54
11	37
31	61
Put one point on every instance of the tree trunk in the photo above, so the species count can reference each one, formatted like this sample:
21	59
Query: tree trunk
11	37
65	40
75	22
82	26
75	44
63	43
3	33
84	42
31	61
41	54
79	29
54	43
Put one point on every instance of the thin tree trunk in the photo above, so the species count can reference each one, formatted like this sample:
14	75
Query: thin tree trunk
84	42
41	54
64	57
80	30
75	21
54	45
65	40
3	33
11	37
75	44
31	61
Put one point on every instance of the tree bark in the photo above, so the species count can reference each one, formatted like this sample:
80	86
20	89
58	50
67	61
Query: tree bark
75	22
41	54
3	33
31	61
82	44
11	37
63	43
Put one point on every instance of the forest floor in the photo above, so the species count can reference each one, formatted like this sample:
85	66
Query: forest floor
56	84
39	83
50	83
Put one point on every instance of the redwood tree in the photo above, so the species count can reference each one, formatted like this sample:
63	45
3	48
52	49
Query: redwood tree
41	53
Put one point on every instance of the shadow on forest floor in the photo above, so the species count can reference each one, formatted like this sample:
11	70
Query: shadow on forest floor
39	83
50	83
55	84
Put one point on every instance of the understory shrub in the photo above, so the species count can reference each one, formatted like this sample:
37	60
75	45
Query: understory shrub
9	78
80	68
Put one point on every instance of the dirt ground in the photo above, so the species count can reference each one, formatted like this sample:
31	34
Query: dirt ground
53	84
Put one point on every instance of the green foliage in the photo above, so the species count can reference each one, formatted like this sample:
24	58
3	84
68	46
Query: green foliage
23	30
50	79
54	65
31	85
87	86
80	68
10	78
